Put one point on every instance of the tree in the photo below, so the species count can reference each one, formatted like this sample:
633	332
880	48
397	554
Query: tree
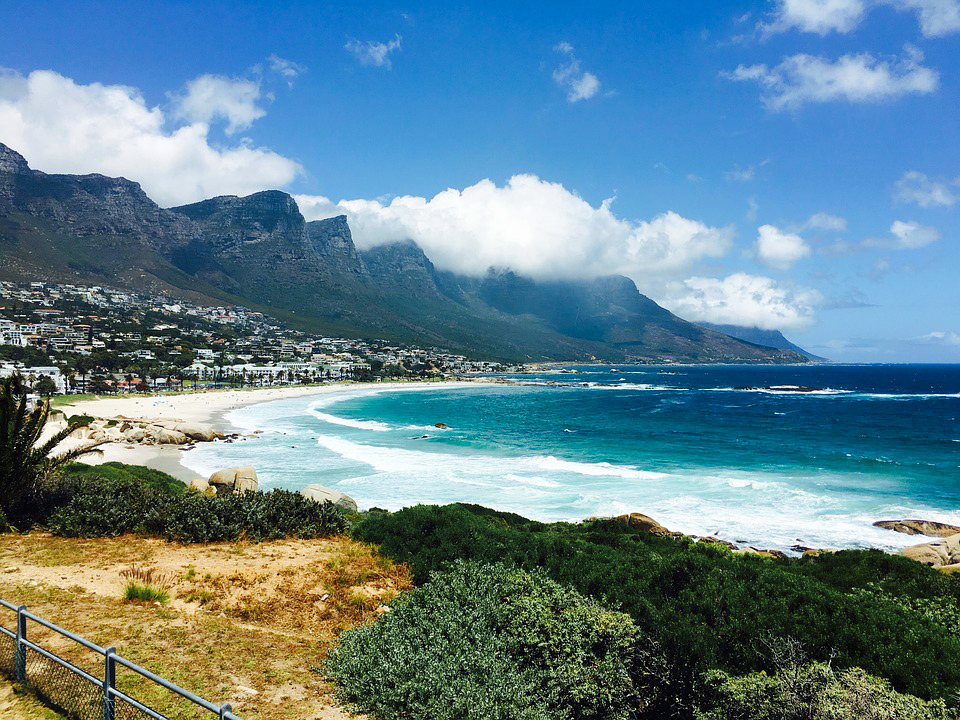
45	386
27	461
84	364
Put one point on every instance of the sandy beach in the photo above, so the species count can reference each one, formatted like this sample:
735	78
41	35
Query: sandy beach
208	407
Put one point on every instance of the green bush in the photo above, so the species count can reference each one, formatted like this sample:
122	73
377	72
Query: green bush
110	507
253	516
813	692
106	508
488	642
154	479
706	607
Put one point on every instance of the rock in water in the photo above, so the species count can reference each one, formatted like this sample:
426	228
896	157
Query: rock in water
930	528
321	493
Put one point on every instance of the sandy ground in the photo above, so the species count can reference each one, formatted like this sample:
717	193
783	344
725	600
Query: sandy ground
208	407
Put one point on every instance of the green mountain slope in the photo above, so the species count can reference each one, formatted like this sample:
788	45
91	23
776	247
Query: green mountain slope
258	251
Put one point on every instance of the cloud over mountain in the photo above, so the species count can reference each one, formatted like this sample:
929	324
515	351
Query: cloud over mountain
531	226
67	127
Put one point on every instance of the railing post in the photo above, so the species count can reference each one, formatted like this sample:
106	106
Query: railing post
109	682
225	710
20	661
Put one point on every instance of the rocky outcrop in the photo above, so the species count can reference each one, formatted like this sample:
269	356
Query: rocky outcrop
146	431
943	554
322	494
237	480
930	528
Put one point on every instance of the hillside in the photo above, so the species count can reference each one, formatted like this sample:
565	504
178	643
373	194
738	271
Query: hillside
767	338
232	604
258	251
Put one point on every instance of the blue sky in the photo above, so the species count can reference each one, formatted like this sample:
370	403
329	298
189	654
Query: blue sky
786	163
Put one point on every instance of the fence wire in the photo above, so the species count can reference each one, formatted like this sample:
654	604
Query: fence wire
73	694
77	691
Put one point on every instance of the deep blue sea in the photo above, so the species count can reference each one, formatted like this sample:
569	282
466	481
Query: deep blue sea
686	445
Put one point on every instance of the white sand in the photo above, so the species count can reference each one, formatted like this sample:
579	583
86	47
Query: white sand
208	407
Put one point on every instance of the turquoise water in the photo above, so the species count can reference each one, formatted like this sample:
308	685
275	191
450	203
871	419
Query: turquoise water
704	450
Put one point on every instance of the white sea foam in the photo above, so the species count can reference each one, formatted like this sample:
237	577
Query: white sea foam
600	469
374	425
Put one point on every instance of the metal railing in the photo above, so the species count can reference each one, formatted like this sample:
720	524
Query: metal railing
79	693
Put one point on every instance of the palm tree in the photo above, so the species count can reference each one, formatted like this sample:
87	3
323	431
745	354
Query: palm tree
26	459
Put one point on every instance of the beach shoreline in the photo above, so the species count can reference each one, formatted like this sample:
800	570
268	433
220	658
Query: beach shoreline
209	407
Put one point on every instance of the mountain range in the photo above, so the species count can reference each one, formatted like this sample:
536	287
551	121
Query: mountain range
258	251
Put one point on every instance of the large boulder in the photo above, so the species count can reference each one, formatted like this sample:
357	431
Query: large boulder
197	431
644	523
236	480
163	436
321	493
939	553
931	528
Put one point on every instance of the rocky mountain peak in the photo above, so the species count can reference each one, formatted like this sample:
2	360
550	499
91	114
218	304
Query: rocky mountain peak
12	162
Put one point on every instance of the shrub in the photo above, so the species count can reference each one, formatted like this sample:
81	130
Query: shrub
813	692
112	507
105	508
488	642
154	479
706	607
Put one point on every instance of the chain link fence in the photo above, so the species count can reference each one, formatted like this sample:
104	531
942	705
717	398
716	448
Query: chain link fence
86	694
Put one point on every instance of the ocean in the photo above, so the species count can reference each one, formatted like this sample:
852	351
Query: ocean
706	450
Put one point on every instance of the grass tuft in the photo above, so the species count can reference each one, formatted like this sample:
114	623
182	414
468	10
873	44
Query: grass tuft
146	585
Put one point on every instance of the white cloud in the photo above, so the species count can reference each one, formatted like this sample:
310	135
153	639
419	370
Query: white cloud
377	54
861	78
741	299
61	126
534	227
816	16
212	97
941	337
287	69
780	249
936	17
825	221
916	187
579	85
739	174
905	236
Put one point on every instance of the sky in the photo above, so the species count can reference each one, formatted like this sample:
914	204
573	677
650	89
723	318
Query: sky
786	164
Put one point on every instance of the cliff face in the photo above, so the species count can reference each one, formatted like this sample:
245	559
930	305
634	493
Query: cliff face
259	251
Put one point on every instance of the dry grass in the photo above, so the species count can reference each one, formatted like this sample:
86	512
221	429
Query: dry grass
246	624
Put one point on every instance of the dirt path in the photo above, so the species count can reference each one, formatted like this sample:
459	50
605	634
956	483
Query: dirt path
246	624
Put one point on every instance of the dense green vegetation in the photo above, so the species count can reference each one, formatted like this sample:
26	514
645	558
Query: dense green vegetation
707	608
150	504
489	642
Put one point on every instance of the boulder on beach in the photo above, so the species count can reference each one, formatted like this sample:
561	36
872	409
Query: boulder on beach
321	493
939	553
163	436
197	431
236	480
930	528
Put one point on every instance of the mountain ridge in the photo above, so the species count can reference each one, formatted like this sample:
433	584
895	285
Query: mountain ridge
259	251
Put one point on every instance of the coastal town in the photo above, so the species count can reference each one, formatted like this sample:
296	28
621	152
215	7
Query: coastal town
65	338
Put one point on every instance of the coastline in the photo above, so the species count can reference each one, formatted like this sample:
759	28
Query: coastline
209	407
